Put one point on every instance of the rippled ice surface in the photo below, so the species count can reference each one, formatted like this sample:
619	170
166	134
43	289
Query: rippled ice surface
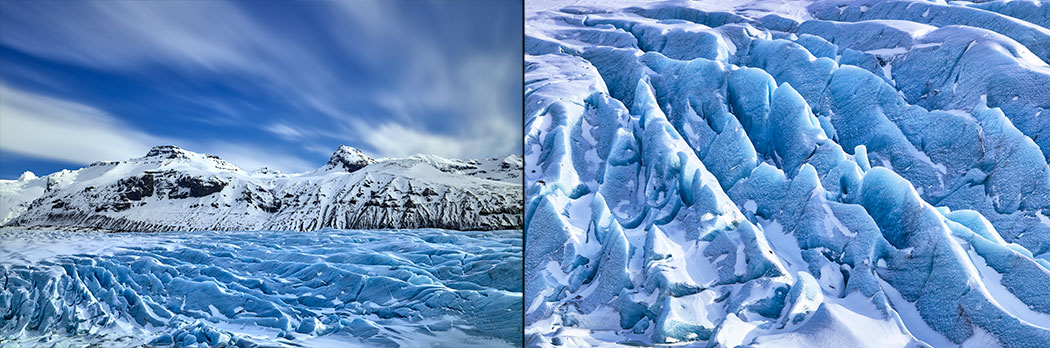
333	287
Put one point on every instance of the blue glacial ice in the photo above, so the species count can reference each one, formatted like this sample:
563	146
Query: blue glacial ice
788	174
367	288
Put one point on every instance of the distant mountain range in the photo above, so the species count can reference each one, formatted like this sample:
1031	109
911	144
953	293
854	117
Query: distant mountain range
171	188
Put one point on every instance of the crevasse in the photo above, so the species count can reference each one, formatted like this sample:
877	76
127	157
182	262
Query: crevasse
870	173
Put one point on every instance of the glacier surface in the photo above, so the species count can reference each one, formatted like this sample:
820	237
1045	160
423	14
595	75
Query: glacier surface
788	174
366	288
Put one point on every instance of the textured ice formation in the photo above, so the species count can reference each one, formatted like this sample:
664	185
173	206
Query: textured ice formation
767	174
327	288
172	189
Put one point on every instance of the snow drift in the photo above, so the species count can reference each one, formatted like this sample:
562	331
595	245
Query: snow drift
841	173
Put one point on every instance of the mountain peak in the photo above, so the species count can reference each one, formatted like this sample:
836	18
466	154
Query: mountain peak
166	151
266	171
512	161
349	159
165	155
28	175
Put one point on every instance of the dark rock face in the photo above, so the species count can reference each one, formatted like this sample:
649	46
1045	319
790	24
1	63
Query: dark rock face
131	191
166	152
349	159
136	188
198	187
261	199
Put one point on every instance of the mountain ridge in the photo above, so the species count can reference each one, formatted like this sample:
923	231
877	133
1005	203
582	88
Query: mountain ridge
171	188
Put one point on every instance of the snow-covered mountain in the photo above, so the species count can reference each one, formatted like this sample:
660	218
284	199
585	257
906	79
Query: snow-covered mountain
174	189
788	174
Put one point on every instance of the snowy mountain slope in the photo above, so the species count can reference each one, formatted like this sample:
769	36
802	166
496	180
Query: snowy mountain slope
16	195
174	189
861	174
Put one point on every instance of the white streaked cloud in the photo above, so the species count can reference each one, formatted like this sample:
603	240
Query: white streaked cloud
284	131
46	127
252	158
398	77
133	34
395	140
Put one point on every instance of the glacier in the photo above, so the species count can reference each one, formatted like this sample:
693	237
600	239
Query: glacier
178	248
787	174
65	287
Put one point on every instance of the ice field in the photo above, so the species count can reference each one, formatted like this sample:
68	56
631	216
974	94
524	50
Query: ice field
368	288
787	174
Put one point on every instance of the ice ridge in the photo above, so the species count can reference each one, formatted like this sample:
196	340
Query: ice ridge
865	174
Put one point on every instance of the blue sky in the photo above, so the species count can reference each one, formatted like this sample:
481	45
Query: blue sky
272	83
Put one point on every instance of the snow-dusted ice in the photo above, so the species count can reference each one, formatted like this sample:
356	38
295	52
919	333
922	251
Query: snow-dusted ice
327	288
787	174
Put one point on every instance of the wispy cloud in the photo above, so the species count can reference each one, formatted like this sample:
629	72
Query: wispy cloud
50	128
284	131
392	77
466	99
131	35
394	140
250	158
45	127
